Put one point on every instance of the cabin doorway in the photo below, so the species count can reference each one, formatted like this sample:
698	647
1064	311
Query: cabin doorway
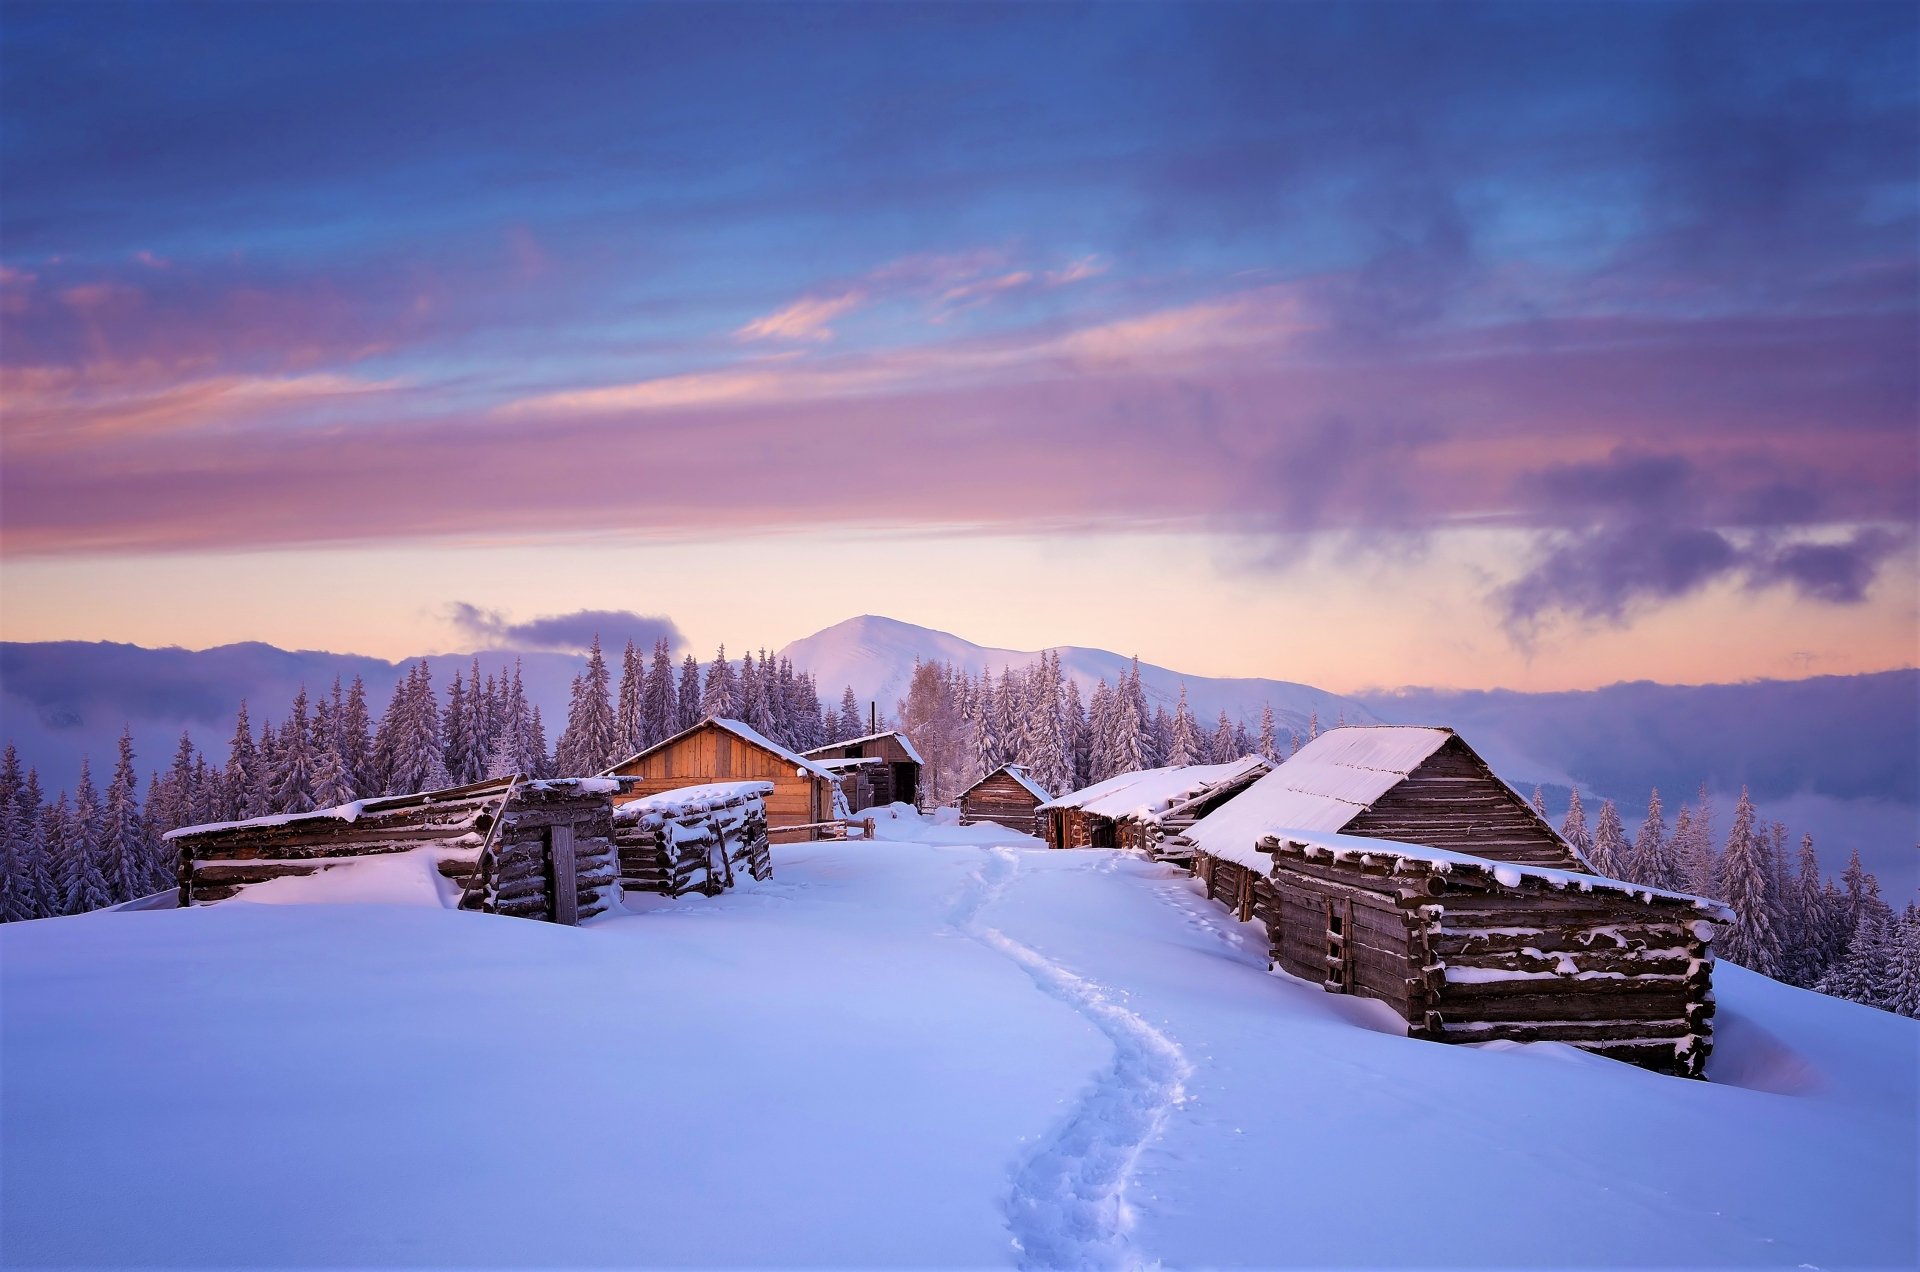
1102	834
904	790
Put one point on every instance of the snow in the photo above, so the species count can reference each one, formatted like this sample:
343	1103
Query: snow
1148	791
949	1048
687	800
1361	847
349	811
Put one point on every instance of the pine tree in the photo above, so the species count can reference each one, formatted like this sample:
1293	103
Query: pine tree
658	706
1079	746
39	893
1100	733
1313	724
356	743
1574	830
1221	748
1609	852
1699	864
537	754
1186	740
1751	940
410	737
455	724
1539	803
15	903
1652	860
1128	750
1808	932
1861	974
1903	981
687	708
126	862
589	742
85	879
291	781
1157	739
630	715
851	725
721	696
242	780
1268	743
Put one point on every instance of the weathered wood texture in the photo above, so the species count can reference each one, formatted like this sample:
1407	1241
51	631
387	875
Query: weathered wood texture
1453	800
1001	799
493	840
702	849
896	778
1463	957
709	753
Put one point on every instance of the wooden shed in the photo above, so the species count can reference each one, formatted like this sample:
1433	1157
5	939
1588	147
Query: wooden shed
1499	931
1140	810
532	849
694	839
892	770
1006	796
722	750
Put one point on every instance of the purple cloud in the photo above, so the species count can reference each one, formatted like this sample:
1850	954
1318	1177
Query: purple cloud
568	633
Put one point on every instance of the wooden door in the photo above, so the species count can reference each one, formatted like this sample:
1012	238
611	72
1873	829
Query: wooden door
566	881
1339	973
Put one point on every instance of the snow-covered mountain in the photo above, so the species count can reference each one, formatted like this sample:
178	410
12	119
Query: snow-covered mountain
876	655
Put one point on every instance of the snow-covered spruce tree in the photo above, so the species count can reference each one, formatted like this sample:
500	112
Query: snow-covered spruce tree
1539	803
1574	829
589	742
1269	743
454	723
1805	936
537	753
1699	862
659	708
1051	762
1293	743
1186	734
355	742
39	893
629	715
756	696
242	798
1610	854
1862	974
1100	733
812	710
720	697
509	753
851	724
1079	744
1157	739
989	743
686	700
84	861
1751	940
1652	857
1129	751
1903	987
1221	747
1313	724
127	863
410	736
291	780
13	902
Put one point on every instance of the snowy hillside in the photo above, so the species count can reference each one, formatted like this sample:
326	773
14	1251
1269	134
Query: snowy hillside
875	655
946	1050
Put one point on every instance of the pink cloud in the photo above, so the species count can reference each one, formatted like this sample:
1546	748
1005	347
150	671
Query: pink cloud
804	319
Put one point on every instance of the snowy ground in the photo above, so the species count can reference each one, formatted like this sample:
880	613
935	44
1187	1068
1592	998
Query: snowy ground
949	1048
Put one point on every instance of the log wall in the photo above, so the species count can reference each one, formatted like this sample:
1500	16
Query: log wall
1453	800
703	849
1002	800
712	754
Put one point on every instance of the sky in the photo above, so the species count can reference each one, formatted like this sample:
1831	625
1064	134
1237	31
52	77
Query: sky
1538	346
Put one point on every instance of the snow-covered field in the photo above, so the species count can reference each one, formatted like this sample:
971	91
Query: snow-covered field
949	1048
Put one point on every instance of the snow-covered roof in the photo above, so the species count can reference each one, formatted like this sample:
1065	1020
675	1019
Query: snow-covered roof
1018	774
906	744
352	809
1360	849
691	799
746	733
1326	784
1148	791
846	764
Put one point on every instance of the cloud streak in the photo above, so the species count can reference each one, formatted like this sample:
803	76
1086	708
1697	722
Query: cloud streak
563	633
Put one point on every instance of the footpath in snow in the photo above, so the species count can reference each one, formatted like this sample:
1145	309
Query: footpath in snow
949	1048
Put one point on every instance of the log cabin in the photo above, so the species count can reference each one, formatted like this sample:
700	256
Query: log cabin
1500	933
892	771
530	849
1007	797
1143	809
804	792
694	839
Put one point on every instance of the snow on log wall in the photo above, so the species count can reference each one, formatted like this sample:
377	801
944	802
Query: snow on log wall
694	840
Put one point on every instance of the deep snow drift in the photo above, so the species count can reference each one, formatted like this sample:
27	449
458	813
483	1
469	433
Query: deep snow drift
945	1048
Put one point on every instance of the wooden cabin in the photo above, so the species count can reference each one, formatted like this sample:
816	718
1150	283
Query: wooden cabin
531	849
1498	933
1006	797
720	750
1142	809
890	773
695	839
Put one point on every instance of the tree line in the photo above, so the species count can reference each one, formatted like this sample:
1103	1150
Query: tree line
87	848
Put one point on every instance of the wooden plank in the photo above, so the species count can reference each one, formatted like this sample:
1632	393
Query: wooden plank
566	883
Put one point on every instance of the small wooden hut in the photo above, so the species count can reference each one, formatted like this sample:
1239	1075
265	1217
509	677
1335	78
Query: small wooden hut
532	849
694	839
1006	796
1499	932
888	769
1142	809
804	794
